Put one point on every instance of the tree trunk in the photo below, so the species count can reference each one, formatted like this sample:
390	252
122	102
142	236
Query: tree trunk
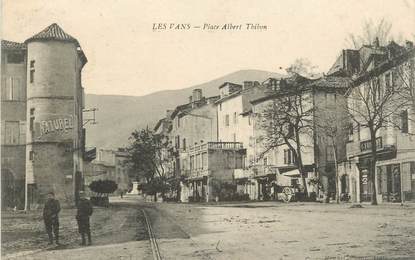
372	167
300	164
336	172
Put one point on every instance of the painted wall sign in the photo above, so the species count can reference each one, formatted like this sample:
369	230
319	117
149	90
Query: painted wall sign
56	125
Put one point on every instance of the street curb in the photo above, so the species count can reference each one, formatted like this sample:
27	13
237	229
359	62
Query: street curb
20	254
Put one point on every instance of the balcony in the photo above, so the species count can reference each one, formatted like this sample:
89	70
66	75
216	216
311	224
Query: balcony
217	146
263	170
384	149
367	145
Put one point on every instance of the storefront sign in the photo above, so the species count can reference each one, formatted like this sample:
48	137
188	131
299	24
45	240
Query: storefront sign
56	125
364	179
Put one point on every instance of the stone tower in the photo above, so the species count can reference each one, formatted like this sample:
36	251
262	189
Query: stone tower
54	136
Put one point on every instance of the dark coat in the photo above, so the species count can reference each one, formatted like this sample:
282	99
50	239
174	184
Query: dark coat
84	209
51	210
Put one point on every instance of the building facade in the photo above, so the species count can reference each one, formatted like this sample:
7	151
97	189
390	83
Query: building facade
41	84
108	165
320	99
13	123
390	70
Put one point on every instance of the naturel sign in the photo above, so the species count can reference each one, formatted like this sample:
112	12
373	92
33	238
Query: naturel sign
56	125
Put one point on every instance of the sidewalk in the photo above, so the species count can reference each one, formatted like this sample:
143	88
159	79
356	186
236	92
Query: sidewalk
128	250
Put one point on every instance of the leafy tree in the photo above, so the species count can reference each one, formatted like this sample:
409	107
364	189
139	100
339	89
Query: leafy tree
146	161
103	187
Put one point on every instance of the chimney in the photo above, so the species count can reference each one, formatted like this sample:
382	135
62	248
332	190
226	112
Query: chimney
409	44
376	42
168	113
197	94
248	84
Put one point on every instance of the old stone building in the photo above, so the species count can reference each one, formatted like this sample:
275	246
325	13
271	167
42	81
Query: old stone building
108	165
324	100
13	123
384	69
42	79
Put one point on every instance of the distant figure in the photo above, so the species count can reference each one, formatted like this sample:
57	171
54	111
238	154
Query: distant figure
51	218
82	216
122	193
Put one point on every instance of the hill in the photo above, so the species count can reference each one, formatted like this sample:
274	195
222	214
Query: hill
118	116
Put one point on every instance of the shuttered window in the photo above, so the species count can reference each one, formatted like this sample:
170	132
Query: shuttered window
11	132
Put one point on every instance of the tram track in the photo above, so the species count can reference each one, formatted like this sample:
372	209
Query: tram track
153	240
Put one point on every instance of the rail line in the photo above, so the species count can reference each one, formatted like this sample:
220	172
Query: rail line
153	242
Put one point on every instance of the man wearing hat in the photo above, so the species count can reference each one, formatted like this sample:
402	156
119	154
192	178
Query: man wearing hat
51	218
82	216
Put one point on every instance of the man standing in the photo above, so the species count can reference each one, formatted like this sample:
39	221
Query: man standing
51	218
82	216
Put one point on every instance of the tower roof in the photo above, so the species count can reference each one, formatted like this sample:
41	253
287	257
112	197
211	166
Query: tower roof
53	32
12	45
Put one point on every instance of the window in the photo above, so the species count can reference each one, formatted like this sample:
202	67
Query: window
235	118
32	71
12	89
404	121
191	162
205	161
394	77
329	153
249	120
15	58
31	155
387	80
32	119
227	120
177	142
184	143
11	132
350	132
289	157
265	161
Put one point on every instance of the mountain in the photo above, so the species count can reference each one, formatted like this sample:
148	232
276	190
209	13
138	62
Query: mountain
118	116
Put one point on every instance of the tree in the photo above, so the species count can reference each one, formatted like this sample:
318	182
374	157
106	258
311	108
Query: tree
303	67
146	161
287	121
373	106
331	122
371	31
103	187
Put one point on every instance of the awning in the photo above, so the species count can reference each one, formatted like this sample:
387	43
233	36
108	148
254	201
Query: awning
292	173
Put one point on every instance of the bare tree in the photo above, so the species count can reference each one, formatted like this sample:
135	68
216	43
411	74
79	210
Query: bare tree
371	31
374	106
303	67
287	120
331	122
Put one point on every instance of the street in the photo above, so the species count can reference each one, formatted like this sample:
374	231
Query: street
255	230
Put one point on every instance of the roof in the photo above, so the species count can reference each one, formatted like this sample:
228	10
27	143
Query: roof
381	67
53	32
230	84
330	82
12	45
298	83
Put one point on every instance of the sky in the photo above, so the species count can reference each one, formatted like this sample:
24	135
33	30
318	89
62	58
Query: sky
128	57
